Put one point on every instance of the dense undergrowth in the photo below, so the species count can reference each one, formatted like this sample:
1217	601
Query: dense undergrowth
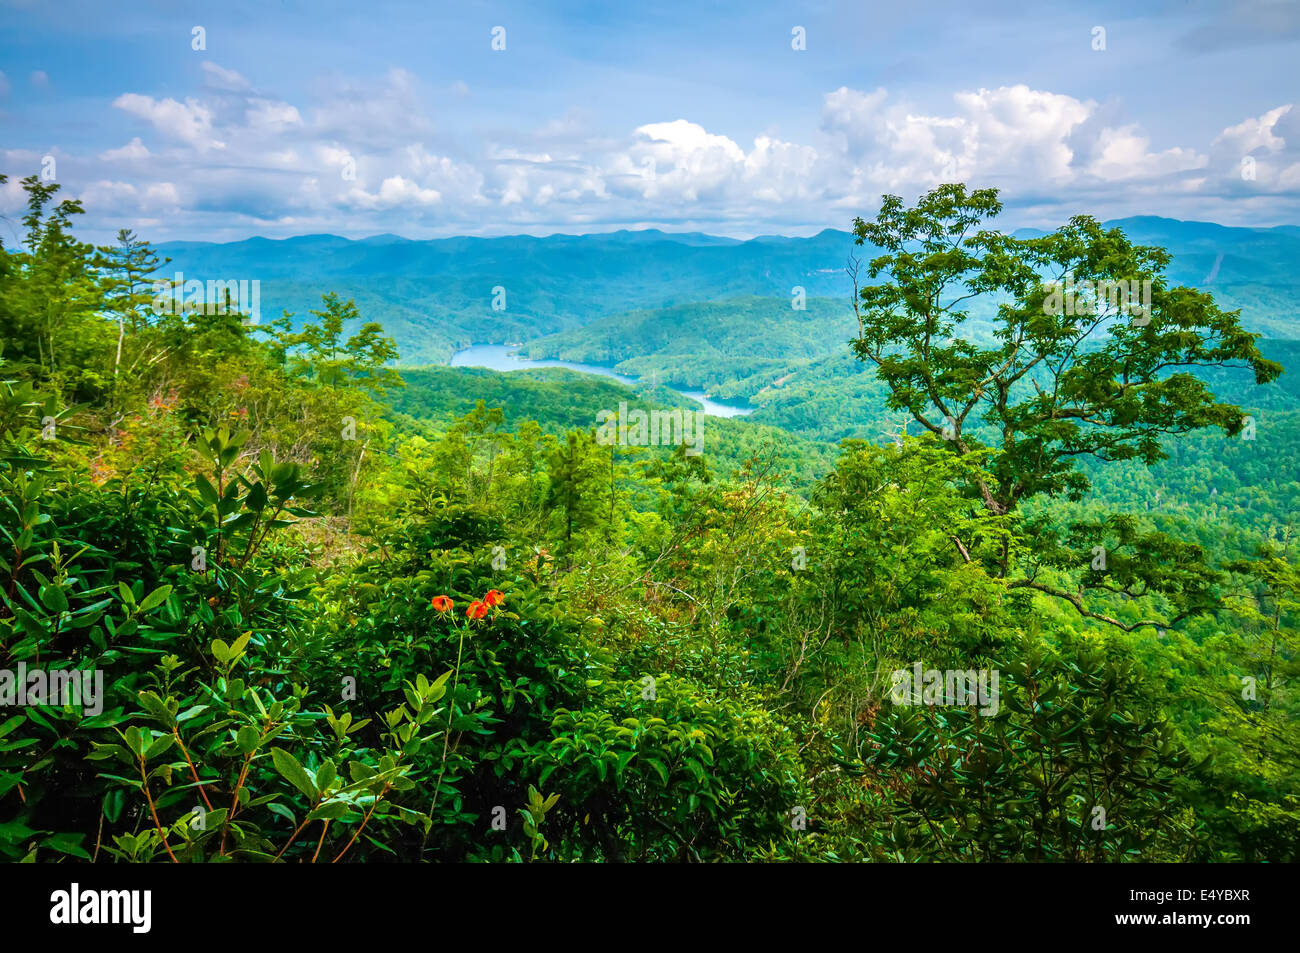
329	632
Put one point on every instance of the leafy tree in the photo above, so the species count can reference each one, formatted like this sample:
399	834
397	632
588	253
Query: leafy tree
322	353
574	471
1077	766
53	291
1048	385
1052	384
129	265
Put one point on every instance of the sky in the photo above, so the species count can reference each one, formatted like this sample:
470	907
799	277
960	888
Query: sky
219	121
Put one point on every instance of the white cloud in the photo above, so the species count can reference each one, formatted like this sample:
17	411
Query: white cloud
680	161
1124	154
853	115
161	195
1013	132
122	199
1021	131
394	191
1013	137
780	172
133	150
1252	134
1269	144
216	77
189	122
1039	146
268	114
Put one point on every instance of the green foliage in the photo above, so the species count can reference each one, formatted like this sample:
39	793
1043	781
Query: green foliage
1050	390
320	352
321	617
1077	764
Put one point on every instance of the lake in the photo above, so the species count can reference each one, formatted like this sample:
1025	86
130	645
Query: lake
502	357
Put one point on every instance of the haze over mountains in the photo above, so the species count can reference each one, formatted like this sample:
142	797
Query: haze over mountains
436	296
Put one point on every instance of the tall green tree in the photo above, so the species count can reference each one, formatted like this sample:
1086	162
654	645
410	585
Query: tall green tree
55	292
321	352
1050	381
1049	384
575	469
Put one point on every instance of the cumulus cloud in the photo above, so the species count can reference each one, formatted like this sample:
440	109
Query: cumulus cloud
367	155
126	199
1254	134
679	164
393	191
190	121
269	114
135	149
1125	154
1020	139
680	160
1260	154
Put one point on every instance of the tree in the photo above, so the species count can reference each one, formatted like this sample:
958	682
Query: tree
465	463
1252	784
55	290
326	357
129	265
1048	387
1050	381
575	471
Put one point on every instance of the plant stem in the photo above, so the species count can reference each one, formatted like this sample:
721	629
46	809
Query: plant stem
202	792
144	786
362	826
446	738
321	842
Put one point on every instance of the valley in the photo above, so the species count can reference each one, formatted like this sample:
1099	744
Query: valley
499	357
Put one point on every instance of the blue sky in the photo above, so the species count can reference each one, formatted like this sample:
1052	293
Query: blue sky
359	118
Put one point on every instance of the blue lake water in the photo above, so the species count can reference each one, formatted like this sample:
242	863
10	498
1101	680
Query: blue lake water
502	357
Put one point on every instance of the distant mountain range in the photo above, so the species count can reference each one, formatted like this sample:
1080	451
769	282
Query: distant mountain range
437	296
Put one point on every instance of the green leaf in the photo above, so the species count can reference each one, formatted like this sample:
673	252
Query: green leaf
11	724
293	771
155	598
247	737
660	767
134	740
283	812
325	776
207	492
329	811
160	744
55	599
360	771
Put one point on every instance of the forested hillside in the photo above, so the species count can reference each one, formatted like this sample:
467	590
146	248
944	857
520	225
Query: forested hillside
559	400
342	611
437	296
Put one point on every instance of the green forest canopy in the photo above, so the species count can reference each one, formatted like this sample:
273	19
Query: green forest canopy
342	614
